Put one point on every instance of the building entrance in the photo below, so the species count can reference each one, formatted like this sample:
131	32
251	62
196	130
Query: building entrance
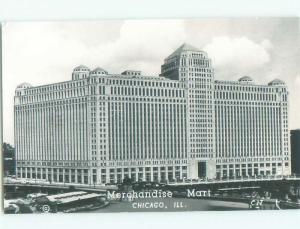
201	169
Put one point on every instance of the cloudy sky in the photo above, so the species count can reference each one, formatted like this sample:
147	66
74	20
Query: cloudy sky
46	52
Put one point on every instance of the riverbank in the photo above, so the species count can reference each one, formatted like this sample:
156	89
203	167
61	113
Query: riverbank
173	205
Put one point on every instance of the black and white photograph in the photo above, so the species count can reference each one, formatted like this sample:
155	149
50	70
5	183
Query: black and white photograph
151	115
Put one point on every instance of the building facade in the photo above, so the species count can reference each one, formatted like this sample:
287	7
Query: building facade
252	136
183	124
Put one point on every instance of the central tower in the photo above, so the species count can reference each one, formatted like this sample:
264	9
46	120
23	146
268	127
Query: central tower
193	67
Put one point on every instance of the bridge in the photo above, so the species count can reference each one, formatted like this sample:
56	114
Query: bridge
21	187
235	180
277	185
243	183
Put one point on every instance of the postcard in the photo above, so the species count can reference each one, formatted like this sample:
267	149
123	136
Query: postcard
151	115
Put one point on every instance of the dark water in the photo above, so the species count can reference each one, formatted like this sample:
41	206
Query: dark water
172	205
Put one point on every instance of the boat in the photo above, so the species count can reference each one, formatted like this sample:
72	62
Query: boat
288	204
70	202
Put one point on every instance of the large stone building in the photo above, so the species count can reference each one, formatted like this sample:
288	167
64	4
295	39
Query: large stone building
101	127
295	151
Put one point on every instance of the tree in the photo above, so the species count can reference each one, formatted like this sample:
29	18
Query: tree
127	181
9	160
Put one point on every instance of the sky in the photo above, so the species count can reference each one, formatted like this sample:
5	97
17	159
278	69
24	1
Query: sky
46	52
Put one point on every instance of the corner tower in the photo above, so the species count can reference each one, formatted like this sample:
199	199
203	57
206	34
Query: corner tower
193	67
80	72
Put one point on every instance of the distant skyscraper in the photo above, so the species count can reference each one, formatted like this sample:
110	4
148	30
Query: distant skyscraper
295	151
102	127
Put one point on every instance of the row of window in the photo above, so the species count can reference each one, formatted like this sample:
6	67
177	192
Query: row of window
48	88
249	88
147	92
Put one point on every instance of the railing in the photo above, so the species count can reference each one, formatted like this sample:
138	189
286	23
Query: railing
182	182
235	179
35	182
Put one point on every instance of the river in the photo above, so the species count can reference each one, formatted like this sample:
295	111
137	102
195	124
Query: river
172	205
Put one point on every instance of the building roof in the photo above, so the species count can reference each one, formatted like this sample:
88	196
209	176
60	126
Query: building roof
131	72
81	67
24	85
276	82
98	70
247	79
184	47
